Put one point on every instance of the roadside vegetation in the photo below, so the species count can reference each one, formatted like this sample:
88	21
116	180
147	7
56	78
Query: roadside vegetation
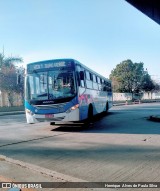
129	77
11	78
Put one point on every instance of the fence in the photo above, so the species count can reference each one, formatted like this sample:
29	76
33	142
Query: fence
141	96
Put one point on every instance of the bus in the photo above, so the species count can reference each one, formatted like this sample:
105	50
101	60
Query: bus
64	90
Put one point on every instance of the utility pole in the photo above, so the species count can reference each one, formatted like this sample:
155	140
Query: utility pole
3	50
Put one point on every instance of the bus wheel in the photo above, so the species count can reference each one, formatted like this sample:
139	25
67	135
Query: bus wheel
90	114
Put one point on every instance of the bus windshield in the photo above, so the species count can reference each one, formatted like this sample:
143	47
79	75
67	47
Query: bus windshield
50	85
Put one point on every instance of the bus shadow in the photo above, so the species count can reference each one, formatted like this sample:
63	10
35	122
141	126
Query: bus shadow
115	123
84	126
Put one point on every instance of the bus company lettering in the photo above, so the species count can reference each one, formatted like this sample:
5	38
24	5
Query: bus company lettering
57	64
38	66
50	65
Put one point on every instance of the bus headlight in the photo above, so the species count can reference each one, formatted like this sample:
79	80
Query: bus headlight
29	112
72	108
75	107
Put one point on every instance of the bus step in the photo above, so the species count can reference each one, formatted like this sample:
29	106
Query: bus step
66	123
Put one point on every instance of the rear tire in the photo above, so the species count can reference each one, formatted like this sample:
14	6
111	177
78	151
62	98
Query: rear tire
90	114
107	107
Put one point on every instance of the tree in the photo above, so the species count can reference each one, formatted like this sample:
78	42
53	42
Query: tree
157	86
130	77
8	62
8	76
147	84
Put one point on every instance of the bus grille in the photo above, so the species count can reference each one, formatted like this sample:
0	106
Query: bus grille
51	106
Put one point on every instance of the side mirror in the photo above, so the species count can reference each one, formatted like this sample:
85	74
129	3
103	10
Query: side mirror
18	79
81	74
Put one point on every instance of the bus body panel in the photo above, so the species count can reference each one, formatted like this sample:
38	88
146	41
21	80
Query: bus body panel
60	112
96	99
71	116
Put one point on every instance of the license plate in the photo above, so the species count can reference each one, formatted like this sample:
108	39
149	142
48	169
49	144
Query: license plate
49	115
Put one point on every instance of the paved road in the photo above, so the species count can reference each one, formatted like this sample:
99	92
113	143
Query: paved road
122	146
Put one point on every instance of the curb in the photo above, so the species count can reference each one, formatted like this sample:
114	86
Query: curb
133	103
11	113
126	103
23	173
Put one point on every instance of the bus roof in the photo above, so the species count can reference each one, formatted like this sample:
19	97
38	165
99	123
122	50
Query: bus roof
71	60
92	71
51	60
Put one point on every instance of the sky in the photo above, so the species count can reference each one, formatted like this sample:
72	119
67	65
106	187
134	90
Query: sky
97	33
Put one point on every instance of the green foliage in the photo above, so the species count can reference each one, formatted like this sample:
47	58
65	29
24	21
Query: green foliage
8	62
8	76
131	77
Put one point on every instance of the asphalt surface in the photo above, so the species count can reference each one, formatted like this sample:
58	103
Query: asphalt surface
127	149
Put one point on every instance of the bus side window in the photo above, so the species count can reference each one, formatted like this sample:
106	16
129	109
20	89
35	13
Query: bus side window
95	85
100	84
98	80
78	78
81	77
91	76
105	86
82	83
87	75
89	83
94	78
110	87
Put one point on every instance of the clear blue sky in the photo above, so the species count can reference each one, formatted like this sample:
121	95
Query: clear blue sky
98	33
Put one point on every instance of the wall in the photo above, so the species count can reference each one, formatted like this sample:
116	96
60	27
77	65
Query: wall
128	96
17	99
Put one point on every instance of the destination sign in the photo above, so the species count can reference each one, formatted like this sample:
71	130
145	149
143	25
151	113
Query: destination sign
48	65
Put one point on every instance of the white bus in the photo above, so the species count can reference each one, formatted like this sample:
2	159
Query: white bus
64	90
